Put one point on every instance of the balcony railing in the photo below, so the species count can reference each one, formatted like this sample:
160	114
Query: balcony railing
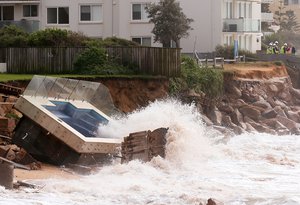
267	17
18	0
241	25
27	25
267	1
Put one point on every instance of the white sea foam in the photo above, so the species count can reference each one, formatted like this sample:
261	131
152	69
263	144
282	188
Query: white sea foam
246	169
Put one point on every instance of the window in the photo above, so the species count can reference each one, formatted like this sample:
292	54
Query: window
139	12
91	13
144	41
30	10
228	10
295	1
6	13
58	15
286	2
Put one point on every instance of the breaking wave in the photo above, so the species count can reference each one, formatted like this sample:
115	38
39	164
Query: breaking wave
200	163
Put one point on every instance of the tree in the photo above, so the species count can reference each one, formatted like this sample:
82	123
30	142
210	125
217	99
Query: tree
286	19
280	16
291	22
265	8
170	23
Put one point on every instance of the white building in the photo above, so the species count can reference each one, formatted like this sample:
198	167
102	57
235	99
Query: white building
216	22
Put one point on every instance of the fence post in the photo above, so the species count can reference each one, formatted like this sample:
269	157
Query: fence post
222	59
215	62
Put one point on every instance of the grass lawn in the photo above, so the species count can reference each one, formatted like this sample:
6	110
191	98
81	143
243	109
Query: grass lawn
11	77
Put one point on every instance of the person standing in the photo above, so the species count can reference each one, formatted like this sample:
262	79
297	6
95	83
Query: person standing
283	48
293	50
270	48
276	48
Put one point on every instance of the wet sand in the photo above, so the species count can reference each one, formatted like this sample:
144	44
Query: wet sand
47	171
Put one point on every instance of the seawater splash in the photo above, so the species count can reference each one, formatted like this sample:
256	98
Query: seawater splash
246	169
186	129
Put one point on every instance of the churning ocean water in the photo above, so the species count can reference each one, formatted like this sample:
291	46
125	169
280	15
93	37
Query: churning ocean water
200	163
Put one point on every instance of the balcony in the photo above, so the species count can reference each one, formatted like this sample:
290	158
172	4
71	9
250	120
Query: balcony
18	1
267	1
27	25
241	25
267	17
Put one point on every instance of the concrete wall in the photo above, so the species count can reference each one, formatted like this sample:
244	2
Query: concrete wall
207	25
92	29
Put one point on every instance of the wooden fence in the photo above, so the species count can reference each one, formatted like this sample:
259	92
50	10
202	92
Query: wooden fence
147	60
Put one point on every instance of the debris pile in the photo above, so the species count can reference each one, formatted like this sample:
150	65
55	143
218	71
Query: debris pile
144	145
9	118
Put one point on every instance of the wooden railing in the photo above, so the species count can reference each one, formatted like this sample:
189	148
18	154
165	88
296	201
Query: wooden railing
50	60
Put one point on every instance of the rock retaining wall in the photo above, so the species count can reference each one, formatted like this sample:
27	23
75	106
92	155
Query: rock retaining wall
268	106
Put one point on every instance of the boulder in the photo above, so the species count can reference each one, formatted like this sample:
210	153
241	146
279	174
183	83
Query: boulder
283	131
206	120
280	111
293	116
223	130
237	117
273	124
234	91
215	116
249	97
259	127
262	104
273	88
280	103
213	202
237	130
226	121
271	101
269	113
285	96
295	92
238	103
250	111
250	128
225	107
291	125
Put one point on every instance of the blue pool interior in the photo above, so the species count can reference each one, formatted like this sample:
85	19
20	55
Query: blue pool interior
85	121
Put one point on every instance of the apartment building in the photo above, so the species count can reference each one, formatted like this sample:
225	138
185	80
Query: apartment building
216	22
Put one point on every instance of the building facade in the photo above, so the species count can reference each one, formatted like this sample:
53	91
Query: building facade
216	22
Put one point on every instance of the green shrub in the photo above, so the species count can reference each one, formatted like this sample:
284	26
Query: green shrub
56	37
207	80
12	36
228	52
94	60
90	58
278	63
112	41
